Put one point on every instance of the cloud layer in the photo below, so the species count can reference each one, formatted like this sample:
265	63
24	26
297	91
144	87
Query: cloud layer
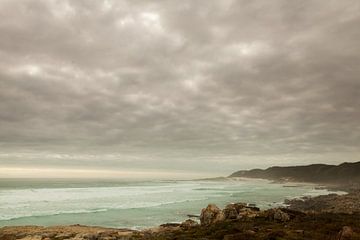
210	86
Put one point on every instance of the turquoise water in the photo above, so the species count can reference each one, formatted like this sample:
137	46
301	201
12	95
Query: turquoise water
131	204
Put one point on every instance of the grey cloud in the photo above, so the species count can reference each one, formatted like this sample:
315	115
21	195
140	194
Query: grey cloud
205	85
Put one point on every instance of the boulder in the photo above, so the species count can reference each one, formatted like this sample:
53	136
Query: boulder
211	214
230	212
235	236
7	237
64	235
246	212
239	206
86	236
346	233
281	216
35	237
252	208
188	224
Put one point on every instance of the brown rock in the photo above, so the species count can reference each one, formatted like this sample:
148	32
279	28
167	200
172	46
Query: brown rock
61	236
36	237
211	214
233	236
188	224
281	216
346	233
250	232
7	237
230	211
239	206
246	212
86	236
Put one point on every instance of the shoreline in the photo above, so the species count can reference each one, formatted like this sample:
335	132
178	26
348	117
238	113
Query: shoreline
270	204
298	211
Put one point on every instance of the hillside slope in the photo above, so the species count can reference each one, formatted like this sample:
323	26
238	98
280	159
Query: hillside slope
345	173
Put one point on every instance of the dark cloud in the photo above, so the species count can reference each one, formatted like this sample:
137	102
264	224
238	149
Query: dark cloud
205	86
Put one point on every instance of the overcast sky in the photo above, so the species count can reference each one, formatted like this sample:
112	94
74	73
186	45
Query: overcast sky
177	87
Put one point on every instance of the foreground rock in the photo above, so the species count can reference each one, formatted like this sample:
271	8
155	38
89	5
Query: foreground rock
346	233
211	214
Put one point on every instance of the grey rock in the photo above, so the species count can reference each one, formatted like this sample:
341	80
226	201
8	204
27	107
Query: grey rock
281	216
189	223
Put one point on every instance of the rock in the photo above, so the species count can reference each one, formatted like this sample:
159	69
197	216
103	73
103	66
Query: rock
35	237
108	238
211	214
239	206
281	216
346	233
233	236
61	236
74	238
246	212
20	235
86	236
255	209
170	225
230	211
220	217
48	235
250	232
7	237
188	224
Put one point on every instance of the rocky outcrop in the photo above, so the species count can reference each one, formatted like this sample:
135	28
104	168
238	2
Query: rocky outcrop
346	233
211	214
281	216
189	223
349	203
231	212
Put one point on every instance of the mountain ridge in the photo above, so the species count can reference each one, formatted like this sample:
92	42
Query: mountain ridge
345	173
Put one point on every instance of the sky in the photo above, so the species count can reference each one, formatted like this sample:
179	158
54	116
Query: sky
176	88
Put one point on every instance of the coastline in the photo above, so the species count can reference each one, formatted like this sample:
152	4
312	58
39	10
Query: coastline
114	210
258	223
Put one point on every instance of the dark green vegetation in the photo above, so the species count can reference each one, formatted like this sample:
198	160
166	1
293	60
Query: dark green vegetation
345	174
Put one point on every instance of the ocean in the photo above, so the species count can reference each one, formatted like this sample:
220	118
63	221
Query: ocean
131	204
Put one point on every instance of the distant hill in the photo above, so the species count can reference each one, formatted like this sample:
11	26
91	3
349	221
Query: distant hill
345	173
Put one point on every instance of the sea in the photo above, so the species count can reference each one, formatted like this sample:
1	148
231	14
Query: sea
132	204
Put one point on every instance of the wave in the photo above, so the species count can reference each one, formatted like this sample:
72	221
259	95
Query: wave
105	209
6	217
208	189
